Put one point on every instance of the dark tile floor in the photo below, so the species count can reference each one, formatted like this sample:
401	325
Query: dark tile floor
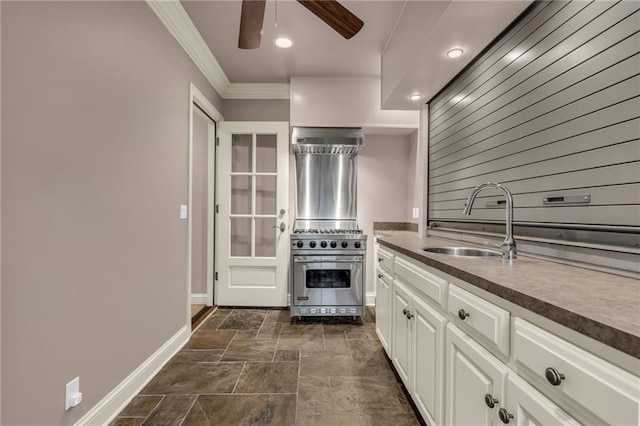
257	367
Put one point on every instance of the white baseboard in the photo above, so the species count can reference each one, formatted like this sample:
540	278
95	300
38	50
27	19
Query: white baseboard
115	401
198	298
371	299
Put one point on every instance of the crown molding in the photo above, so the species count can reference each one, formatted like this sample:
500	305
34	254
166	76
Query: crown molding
258	91
172	14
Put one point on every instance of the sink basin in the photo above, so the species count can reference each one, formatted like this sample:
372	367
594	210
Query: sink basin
463	251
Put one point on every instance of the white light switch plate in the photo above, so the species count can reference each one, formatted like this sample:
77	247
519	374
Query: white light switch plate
183	211
416	212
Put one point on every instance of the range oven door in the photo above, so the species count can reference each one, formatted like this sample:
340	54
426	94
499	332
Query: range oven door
328	280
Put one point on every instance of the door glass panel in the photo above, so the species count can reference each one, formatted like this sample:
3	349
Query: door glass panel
266	194
241	153
241	236
266	237
241	194
266	153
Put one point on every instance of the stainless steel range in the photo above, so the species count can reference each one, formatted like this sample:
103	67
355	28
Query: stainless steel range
328	250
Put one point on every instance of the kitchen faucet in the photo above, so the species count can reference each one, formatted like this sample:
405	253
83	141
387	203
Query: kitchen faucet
508	246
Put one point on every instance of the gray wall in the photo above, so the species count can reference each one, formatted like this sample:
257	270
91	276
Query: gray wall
256	110
95	120
551	109
384	172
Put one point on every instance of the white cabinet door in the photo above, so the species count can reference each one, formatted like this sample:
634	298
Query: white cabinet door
383	309
472	373
400	324
428	360
527	407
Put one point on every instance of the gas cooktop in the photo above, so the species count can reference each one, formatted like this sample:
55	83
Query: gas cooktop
327	231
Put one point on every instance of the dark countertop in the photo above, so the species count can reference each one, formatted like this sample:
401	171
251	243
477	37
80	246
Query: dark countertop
603	306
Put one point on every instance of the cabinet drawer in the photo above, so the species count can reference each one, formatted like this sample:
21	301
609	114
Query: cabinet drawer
385	260
602	388
429	284
475	313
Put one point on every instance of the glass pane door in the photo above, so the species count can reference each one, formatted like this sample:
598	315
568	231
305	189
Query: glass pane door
253	212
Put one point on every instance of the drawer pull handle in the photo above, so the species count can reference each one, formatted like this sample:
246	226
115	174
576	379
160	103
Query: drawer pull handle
405	311
490	400
409	315
554	376
462	314
380	276
504	415
380	259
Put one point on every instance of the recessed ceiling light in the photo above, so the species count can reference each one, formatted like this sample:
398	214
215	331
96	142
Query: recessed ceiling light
454	53
415	97
284	42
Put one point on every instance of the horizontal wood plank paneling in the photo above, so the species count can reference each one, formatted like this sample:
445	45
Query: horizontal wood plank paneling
552	108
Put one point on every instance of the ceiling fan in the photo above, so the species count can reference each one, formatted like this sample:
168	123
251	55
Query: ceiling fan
331	12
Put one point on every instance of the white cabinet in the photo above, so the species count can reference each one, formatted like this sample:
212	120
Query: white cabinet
526	406
383	308
466	361
564	369
475	315
418	350
401	333
473	375
428	360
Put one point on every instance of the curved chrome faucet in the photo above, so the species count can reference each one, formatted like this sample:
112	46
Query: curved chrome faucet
508	246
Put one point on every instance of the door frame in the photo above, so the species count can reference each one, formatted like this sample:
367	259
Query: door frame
196	97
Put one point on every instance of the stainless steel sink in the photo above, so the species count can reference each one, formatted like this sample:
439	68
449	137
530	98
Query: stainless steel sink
463	251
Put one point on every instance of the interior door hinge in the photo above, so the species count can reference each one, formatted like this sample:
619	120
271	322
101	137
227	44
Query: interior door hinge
216	276
217	141
217	208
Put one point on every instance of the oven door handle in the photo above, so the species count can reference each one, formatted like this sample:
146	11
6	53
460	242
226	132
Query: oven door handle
327	261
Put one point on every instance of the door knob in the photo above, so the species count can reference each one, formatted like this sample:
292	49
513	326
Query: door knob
282	226
505	416
490	400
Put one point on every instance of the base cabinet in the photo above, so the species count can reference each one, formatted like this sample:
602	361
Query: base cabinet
475	381
428	360
383	309
418	350
401	331
525	406
464	360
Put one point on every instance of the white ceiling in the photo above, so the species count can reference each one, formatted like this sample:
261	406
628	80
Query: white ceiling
423	35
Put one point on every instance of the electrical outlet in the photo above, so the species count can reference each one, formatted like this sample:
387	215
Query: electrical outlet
183	211
416	212
73	396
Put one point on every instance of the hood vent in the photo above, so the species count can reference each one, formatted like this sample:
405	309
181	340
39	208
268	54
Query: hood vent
326	140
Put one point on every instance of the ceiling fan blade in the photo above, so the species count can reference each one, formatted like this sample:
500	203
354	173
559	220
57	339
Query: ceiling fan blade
335	15
251	21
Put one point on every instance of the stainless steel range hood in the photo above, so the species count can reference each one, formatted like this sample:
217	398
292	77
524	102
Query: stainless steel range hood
326	140
326	173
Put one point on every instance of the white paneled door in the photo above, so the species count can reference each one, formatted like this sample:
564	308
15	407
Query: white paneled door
253	213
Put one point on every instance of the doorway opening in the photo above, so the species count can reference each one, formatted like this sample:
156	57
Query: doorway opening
201	226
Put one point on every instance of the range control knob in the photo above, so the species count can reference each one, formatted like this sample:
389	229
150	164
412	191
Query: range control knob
333	244
357	244
312	244
323	244
345	244
299	244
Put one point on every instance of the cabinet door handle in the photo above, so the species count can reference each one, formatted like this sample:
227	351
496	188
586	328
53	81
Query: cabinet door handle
410	315
490	400
380	276
380	259
462	314
405	311
504	415
553	376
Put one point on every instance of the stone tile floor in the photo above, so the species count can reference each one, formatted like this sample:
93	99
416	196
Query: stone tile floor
258	367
